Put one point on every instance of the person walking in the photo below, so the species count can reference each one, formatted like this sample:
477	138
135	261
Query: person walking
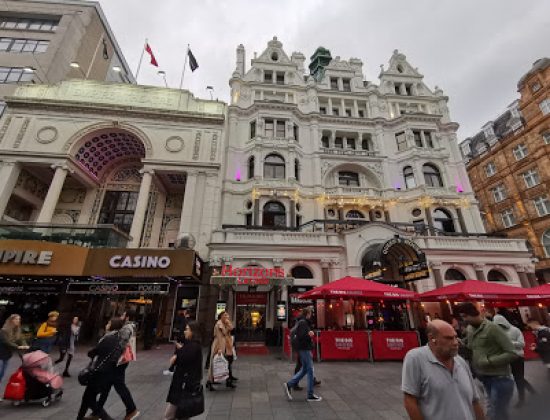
298	365
222	345
303	343
188	368
106	352
518	365
10	341
542	343
46	334
67	341
492	353
126	338
437	382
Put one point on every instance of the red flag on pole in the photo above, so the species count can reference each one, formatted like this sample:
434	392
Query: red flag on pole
150	52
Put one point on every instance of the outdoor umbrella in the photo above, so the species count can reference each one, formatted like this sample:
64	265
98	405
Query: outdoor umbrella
475	290
355	287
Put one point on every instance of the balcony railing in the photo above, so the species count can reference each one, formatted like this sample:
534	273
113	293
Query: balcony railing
347	151
90	236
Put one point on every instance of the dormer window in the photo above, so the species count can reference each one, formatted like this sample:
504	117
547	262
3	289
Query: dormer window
346	85
268	76
334	83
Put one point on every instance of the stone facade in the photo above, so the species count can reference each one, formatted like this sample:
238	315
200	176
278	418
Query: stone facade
509	167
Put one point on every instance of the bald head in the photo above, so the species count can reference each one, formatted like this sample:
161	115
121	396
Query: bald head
442	339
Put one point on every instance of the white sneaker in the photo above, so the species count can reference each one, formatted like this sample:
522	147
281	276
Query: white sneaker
314	398
167	372
288	391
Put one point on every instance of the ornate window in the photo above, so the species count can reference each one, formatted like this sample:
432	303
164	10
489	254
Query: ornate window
274	167
432	176
496	275
274	214
443	221
542	204
301	272
354	214
408	176
531	178
520	151
499	193
453	274
350	179
508	218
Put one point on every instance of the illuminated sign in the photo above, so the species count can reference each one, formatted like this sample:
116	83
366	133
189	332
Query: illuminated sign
251	276
281	311
139	261
25	257
118	288
220	307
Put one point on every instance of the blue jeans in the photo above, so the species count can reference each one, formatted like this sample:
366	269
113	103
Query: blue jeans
307	368
499	392
3	367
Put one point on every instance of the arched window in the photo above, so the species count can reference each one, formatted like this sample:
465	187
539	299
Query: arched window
251	162
496	275
274	167
350	179
297	169
408	176
274	214
454	275
443	220
432	177
301	272
546	242
354	214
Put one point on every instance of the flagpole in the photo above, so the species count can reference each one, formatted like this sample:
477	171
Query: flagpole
141	58
184	67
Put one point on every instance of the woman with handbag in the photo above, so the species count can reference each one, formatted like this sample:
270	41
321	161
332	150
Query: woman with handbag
222	345
185	397
99	375
10	341
46	334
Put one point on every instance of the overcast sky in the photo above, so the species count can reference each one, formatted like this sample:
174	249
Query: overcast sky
476	51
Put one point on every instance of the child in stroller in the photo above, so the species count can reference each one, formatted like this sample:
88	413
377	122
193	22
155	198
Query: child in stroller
41	383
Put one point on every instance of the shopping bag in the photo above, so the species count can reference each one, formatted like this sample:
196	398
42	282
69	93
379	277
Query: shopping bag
220	368
15	390
129	353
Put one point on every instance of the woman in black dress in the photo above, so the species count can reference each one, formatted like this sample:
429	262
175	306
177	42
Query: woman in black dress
188	373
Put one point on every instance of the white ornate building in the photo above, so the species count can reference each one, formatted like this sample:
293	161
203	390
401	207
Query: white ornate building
322	168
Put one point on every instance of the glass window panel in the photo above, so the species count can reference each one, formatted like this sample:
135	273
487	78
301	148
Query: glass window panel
23	23
17	45
14	75
35	25
281	129
26	76
42	46
4	71
30	45
10	24
132	201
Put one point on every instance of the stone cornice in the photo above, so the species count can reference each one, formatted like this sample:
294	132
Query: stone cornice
113	110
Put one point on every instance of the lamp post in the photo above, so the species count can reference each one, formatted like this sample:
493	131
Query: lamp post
211	90
163	74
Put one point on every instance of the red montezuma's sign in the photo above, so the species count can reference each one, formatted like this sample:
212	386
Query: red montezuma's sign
251	276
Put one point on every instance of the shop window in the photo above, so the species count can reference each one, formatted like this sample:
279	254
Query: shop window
274	167
496	275
408	176
453	274
432	177
301	272
274	215
354	214
546	242
350	179
251	164
443	221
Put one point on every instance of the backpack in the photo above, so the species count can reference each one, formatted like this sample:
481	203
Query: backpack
543	341
294	335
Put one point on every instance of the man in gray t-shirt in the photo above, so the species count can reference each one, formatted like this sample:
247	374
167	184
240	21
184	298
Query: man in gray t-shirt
437	383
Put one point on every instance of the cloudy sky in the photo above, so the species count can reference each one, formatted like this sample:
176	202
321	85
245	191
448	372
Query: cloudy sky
476	51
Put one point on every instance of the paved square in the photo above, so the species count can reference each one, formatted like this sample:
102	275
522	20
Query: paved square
350	390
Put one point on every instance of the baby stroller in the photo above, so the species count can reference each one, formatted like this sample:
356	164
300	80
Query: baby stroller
35	381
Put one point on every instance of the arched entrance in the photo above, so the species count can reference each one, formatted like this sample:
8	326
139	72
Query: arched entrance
396	261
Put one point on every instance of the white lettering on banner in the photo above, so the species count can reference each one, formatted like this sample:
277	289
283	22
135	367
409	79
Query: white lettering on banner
104	288
343	343
139	261
395	344
26	257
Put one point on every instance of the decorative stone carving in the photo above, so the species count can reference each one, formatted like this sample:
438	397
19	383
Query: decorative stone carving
130	174
22	132
32	184
197	145
73	214
214	147
47	135
4	128
72	195
174	144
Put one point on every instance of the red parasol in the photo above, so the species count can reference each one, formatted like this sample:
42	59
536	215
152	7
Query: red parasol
475	290
355	287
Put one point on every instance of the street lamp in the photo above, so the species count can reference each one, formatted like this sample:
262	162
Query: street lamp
163	74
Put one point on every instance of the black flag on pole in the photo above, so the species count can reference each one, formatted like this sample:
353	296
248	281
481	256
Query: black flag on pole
193	65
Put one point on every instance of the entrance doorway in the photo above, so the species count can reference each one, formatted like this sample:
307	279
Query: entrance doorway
251	312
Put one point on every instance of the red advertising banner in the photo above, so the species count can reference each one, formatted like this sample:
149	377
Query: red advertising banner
529	339
245	298
286	343
344	345
393	345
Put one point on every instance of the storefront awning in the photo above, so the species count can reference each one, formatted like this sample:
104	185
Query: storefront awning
475	290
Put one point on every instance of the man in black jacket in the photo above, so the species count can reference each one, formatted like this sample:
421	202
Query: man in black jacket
301	338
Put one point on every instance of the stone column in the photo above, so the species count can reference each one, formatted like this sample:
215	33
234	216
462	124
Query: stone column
523	279
329	110
52	197
461	222
9	173
256	212
87	205
436	270
479	272
292	214
189	197
429	219
141	208
325	271
355	109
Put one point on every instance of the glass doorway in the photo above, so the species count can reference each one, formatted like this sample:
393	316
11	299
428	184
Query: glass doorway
251	312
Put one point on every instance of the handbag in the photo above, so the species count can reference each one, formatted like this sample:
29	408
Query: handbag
191	402
86	374
129	353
